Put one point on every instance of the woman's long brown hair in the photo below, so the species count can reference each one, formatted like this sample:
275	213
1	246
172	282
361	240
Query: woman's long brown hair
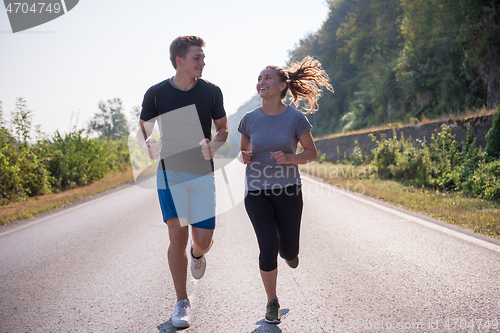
304	79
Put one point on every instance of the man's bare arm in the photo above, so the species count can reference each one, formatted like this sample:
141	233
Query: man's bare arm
149	145
221	132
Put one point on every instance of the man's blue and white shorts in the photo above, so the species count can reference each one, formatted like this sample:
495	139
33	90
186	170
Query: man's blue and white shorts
188	196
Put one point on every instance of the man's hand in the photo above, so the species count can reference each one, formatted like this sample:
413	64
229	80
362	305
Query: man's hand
207	149
152	148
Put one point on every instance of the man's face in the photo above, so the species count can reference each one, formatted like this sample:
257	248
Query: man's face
193	62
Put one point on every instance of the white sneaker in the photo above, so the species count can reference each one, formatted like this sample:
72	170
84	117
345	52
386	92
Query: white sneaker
197	265
180	318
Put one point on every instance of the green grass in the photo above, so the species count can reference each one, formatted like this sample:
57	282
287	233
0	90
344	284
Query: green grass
480	215
27	208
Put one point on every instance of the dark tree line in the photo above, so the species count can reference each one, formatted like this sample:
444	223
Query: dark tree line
402	60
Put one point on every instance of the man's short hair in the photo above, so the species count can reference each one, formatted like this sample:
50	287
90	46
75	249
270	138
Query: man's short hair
180	47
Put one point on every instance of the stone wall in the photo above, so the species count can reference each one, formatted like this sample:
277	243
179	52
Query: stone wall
341	147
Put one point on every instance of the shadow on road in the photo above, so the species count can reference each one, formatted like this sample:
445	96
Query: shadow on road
272	328
167	327
264	327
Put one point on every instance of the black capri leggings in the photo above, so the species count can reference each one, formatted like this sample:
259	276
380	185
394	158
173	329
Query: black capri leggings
276	216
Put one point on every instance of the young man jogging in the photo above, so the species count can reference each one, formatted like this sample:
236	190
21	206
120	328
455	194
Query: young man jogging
184	107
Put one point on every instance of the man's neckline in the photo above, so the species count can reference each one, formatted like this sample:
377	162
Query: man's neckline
171	80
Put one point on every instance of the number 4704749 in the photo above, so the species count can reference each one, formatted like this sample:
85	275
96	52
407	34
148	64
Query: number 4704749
472	323
36	8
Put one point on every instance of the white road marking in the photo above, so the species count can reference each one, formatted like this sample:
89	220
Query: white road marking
431	225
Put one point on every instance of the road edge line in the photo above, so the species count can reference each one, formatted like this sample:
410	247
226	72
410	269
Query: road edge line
55	214
393	211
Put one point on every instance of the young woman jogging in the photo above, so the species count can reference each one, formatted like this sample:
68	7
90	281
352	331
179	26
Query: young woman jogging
269	138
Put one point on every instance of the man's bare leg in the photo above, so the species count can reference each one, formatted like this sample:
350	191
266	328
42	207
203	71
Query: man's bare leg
177	258
202	240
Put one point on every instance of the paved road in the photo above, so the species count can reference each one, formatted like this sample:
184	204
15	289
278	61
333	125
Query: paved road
101	267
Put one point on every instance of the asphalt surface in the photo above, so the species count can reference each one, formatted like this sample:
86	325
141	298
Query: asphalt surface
364	267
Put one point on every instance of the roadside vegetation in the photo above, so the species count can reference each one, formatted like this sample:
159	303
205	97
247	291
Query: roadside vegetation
453	181
34	165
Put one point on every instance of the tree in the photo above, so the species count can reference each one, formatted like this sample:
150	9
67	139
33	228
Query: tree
372	42
110	122
431	67
2	120
397	60
10	186
325	46
21	169
135	114
480	37
22	120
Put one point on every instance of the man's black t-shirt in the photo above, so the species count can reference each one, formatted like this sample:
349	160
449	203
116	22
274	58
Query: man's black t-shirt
184	119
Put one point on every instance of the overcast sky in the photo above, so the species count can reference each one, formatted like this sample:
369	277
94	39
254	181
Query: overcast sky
119	48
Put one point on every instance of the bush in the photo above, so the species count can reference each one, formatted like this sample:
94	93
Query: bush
443	164
23	173
411	163
384	155
485	182
470	158
118	153
34	178
356	158
10	186
443	158
74	160
493	138
491	189
29	169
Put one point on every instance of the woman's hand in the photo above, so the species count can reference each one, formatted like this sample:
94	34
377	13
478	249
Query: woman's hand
245	157
281	157
309	153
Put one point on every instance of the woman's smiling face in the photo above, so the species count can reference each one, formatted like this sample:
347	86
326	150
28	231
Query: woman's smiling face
269	84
